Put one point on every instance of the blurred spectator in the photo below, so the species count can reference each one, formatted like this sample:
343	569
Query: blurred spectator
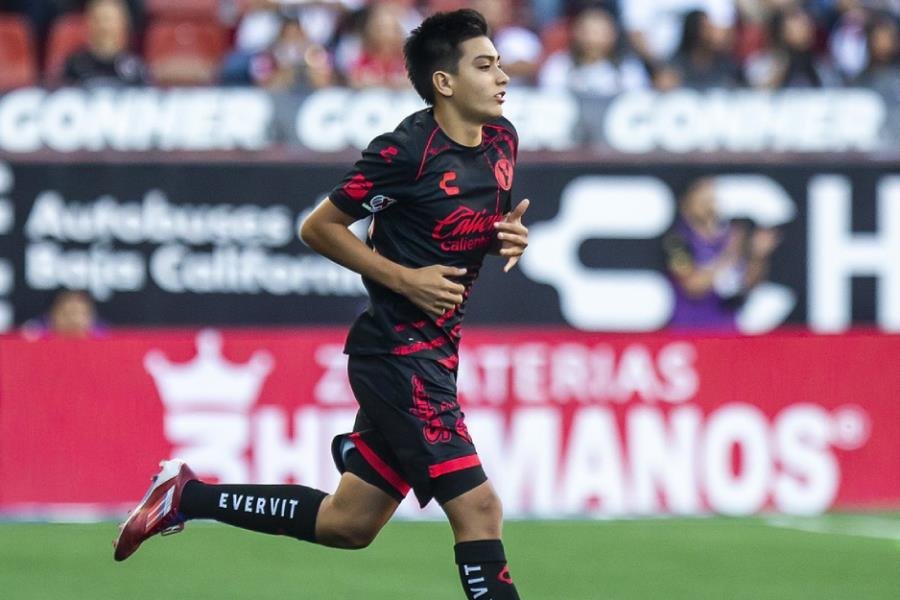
347	37
761	11
774	43
293	62
791	61
882	72
712	263
520	49
42	13
595	63
847	41
258	27
320	18
256	32
753	31
106	60
406	12
380	62
703	60
654	26
72	315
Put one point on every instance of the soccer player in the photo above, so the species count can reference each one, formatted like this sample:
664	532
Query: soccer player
438	188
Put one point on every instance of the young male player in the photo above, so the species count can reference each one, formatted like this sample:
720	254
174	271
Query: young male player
439	190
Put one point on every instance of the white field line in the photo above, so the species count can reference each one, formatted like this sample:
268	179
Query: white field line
859	526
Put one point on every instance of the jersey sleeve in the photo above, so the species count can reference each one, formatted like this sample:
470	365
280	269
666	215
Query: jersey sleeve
515	137
508	203
508	140
378	179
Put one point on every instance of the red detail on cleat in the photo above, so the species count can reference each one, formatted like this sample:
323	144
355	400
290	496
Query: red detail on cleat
157	512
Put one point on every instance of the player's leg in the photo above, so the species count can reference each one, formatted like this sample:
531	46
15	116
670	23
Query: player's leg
476	514
352	516
349	518
412	405
476	518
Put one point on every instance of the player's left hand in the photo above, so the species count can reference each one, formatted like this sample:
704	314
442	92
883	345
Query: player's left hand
513	235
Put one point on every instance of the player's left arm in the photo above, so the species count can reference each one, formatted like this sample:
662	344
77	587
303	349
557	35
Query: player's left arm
512	235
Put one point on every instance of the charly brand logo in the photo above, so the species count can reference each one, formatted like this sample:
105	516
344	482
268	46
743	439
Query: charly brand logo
448	178
207	402
465	229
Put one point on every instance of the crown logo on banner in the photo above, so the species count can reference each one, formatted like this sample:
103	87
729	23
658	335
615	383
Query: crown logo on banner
208	381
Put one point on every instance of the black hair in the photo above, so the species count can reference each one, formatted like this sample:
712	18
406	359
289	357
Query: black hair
801	62
691	31
435	46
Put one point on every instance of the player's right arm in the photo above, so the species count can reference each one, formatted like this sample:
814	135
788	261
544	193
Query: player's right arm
326	230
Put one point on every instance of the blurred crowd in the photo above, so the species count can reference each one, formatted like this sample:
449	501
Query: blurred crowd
595	48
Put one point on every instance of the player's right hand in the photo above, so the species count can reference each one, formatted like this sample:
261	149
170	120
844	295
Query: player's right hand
432	290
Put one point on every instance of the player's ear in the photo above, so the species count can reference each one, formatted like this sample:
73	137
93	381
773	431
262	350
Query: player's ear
443	83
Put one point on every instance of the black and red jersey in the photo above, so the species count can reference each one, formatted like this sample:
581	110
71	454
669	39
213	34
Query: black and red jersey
433	201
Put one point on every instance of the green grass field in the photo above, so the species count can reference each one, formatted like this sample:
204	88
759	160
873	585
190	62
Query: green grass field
849	557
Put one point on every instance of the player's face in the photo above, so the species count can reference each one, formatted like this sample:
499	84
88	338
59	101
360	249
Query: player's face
479	84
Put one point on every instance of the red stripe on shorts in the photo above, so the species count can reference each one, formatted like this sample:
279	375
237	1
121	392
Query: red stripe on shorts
381	467
454	464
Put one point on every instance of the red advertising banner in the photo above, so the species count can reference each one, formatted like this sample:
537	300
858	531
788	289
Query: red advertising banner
567	423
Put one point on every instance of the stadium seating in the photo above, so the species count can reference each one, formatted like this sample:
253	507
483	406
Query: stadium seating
184	52
16	53
69	33
174	10
17	57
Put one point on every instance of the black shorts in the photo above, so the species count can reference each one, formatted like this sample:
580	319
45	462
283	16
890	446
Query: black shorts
409	431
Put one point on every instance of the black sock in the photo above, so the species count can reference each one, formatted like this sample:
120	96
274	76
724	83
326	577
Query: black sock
483	571
277	509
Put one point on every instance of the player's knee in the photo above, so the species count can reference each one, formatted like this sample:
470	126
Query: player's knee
488	506
481	516
355	536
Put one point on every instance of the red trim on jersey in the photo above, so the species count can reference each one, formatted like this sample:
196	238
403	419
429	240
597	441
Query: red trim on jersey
415	324
381	467
449	314
425	152
453	465
509	138
501	128
451	362
419	346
